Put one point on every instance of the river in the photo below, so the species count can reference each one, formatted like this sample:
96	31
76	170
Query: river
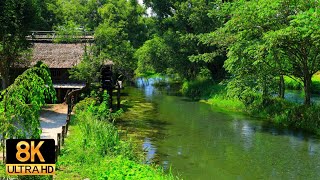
197	141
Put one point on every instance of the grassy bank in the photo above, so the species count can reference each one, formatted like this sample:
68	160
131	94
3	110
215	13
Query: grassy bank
272	109
94	150
208	92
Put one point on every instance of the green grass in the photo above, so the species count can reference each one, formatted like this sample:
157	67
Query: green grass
296	84
94	150
225	103
293	83
211	93
316	83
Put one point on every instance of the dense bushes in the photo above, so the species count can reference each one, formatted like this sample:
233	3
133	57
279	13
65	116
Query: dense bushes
198	89
301	117
268	107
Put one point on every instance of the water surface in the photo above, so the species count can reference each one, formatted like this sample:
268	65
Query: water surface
199	141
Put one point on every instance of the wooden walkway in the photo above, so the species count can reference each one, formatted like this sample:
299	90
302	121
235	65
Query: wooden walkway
52	118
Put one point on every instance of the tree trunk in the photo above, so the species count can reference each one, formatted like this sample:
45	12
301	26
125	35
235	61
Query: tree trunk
264	91
307	89
281	87
5	79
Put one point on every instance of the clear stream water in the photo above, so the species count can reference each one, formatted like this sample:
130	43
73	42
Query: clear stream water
199	141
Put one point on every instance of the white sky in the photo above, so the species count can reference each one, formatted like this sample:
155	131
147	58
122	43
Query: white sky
149	10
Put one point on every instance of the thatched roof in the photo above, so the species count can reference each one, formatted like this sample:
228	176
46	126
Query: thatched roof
58	55
55	55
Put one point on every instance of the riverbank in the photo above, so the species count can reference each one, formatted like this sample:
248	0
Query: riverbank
276	110
94	149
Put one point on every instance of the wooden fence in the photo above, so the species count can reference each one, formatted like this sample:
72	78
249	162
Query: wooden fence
72	98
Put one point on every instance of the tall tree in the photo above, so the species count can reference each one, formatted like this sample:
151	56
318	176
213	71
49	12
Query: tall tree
120	34
16	19
181	24
258	37
300	43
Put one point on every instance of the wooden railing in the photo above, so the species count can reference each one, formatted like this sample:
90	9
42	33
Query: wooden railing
51	36
72	98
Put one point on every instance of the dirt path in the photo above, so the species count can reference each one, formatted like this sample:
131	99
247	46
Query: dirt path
52	118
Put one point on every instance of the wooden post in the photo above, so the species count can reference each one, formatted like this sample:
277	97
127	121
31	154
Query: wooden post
72	102
66	133
56	150
110	98
118	96
63	134
59	142
59	95
3	151
67	124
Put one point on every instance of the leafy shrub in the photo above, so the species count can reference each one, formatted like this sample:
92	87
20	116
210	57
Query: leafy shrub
303	117
269	106
129	170
198	88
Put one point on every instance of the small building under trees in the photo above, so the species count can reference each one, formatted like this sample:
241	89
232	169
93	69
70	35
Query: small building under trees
60	58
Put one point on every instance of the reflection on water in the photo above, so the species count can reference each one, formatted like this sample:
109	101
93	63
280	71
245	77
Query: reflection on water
246	134
149	149
200	142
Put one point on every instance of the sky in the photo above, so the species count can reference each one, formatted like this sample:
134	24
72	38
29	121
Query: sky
149	10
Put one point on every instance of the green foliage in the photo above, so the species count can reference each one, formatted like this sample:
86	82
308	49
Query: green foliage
131	170
22	101
154	55
121	32
299	41
269	107
98	106
83	13
211	93
301	117
226	103
16	19
68	32
293	83
198	89
87	70
177	43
